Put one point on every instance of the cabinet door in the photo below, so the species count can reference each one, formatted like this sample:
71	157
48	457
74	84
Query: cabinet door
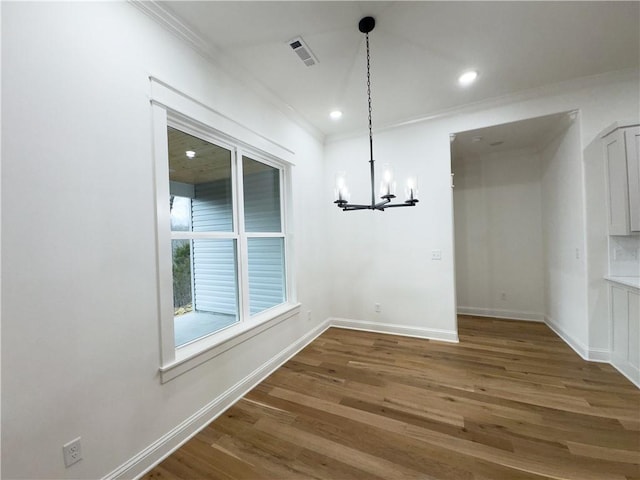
617	183
632	140
634	330
619	325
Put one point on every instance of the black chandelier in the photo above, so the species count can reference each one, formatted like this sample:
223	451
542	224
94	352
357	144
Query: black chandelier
387	185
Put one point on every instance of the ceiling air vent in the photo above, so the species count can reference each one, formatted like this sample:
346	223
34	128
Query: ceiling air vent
303	51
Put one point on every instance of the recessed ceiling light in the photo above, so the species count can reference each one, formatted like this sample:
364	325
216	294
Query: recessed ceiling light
336	114
190	153
467	78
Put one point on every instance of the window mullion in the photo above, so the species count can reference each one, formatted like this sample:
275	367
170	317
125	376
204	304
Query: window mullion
243	255
264	235
183	235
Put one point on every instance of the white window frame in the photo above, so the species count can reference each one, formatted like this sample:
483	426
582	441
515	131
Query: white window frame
171	108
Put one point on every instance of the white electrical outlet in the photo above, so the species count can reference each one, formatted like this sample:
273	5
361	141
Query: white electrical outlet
72	452
308	315
503	296
436	254
377	308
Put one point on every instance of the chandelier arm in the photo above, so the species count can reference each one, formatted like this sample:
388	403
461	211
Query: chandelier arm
356	207
383	203
408	203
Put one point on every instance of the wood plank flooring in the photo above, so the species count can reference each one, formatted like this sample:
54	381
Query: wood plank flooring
511	401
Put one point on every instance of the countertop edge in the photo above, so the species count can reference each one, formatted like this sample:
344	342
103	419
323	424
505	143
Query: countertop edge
633	282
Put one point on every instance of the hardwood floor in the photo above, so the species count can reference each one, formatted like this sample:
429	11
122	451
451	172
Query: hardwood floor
510	401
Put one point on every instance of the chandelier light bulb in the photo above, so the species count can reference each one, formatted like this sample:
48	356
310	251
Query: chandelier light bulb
387	185
411	189
341	191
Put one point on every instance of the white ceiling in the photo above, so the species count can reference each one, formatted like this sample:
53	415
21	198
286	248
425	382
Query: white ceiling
418	49
532	133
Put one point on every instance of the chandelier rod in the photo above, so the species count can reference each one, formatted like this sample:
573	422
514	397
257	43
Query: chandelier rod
371	161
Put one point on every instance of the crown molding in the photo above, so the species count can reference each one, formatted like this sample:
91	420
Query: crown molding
185	32
495	102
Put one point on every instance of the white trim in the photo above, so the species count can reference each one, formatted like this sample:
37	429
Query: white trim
394	329
628	122
243	253
145	460
495	102
184	105
600	355
203	350
633	282
170	107
502	313
164	17
163	225
629	371
577	346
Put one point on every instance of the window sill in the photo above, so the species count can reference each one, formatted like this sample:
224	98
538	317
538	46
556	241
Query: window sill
198	352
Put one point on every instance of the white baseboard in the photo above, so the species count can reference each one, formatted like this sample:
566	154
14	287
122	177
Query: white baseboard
631	372
577	346
393	329
172	440
501	313
600	355
590	354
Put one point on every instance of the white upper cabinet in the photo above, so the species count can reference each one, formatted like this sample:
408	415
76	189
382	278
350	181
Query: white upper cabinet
622	157
632	142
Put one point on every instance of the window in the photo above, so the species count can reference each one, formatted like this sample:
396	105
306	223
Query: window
225	212
222	240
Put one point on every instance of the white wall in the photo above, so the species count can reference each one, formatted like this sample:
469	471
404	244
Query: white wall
498	225
385	257
564	237
80	335
80	341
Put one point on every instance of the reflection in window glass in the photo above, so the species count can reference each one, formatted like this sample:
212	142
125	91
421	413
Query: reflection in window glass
266	273
205	281
182	299
211	286
261	185
200	174
180	213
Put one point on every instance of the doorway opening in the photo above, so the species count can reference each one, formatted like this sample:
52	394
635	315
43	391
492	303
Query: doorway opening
519	221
